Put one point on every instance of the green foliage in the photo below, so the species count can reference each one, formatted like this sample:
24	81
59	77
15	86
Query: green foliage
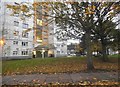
96	46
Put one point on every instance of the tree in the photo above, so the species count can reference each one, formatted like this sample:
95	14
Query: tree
95	17
76	16
105	14
24	9
115	43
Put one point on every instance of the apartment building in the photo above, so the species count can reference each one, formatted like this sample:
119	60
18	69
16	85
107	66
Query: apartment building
15	42
49	42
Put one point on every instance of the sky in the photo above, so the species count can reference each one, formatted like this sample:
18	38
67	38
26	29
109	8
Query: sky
72	41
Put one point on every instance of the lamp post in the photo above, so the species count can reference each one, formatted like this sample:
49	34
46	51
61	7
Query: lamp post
3	27
2	44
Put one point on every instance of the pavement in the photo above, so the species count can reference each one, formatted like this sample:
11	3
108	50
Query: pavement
59	78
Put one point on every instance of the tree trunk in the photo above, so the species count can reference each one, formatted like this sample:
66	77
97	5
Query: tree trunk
97	53
89	52
104	53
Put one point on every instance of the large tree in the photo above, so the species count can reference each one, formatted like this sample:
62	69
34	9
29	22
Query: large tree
95	17
74	17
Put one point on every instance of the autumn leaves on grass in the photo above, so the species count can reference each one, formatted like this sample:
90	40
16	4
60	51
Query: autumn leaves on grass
53	65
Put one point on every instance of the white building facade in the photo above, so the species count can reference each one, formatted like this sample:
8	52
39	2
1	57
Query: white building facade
60	46
16	43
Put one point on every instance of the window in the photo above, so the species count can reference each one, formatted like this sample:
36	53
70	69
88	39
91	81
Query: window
62	45
51	33
24	25
16	33
24	52
16	23
17	49
15	52
52	28
45	39
39	22
24	43
45	27
58	45
62	51
45	13
15	42
44	32
25	35
5	31
58	51
16	15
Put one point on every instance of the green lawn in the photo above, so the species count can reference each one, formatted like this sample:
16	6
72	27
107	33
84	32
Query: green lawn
53	65
115	56
0	67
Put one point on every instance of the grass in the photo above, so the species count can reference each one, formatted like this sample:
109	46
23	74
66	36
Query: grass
0	67
54	65
115	56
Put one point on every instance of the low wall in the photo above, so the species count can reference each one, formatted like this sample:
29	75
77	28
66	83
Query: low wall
16	57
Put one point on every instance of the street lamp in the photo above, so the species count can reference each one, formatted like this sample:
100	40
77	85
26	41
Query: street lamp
1	42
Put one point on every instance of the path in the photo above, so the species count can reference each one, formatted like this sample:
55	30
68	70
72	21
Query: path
59	78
